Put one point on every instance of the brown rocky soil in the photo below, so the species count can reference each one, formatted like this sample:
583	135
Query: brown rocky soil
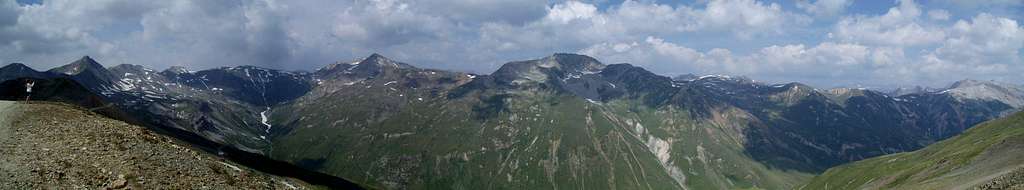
1013	180
57	146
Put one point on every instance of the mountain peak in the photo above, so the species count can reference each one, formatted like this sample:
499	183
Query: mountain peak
558	65
81	65
372	65
16	70
18	66
177	70
88	62
577	62
87	58
571	56
87	72
376	56
970	82
380	60
1009	94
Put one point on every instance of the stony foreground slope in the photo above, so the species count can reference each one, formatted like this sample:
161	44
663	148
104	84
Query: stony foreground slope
56	146
988	156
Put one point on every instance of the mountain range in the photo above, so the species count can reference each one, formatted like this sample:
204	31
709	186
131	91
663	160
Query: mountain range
561	121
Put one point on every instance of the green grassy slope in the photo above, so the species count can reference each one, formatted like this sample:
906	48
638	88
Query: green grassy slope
540	141
977	156
546	145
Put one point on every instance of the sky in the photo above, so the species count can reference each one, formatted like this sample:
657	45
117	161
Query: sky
824	43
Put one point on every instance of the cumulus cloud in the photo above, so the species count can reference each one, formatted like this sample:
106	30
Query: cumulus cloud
824	8
825	64
9	12
746	18
899	26
985	4
476	11
906	44
867	50
938	14
984	40
574	25
569	11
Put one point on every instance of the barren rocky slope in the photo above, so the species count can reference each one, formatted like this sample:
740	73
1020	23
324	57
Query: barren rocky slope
57	146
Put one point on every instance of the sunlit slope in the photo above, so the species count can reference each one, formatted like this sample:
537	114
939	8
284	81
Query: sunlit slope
540	140
988	156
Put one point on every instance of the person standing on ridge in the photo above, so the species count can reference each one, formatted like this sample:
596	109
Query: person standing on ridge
28	89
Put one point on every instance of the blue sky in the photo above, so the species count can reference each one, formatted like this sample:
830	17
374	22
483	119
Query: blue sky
825	43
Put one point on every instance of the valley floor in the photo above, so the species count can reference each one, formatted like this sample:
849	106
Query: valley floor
55	146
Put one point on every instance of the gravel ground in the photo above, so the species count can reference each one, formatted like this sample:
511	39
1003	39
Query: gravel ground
1013	180
56	146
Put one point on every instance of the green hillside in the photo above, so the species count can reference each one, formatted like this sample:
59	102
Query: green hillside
540	124
987	156
542	141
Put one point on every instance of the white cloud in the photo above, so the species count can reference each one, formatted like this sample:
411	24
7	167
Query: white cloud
825	8
938	14
569	11
477	11
780	63
985	4
9	12
986	39
745	18
899	27
761	39
573	25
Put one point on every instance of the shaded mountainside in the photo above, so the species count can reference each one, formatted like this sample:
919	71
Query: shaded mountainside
223	104
48	145
988	156
88	72
18	70
562	121
62	90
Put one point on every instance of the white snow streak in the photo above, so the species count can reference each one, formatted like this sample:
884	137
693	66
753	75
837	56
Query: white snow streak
265	121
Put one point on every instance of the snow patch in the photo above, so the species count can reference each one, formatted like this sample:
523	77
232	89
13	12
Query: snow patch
265	121
714	76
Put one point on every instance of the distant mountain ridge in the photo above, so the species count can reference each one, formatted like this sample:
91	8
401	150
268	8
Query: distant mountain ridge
390	124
